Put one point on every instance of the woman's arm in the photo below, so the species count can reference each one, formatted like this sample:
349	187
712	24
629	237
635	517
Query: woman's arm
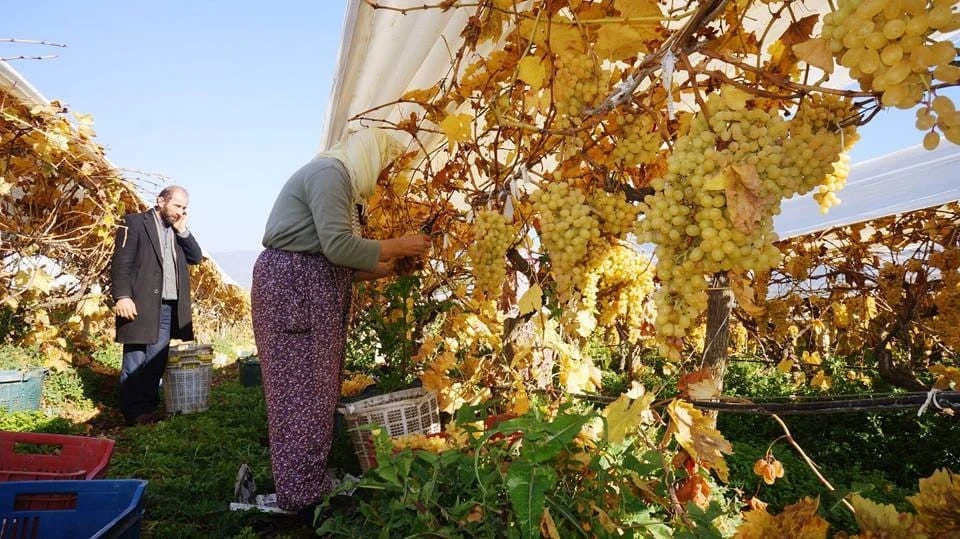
415	245
383	269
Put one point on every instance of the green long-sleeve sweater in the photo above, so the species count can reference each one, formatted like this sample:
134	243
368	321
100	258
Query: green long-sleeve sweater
312	214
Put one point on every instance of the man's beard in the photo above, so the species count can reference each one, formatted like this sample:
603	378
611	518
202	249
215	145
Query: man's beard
167	219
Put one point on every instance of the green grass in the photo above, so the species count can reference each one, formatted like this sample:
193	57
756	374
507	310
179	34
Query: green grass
191	463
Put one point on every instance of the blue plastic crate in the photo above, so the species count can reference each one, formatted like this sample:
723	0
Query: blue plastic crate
71	509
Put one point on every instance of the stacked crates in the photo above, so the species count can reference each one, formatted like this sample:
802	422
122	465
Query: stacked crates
186	382
50	487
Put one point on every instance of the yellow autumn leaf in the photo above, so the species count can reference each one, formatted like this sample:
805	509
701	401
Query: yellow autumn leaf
745	295
624	416
456	127
883	520
746	200
695	432
818	326
532	71
520	401
586	323
797	521
531	300
815	52
947	377
41	318
785	365
4	187
563	34
811	358
421	95
89	306
638	8
938	503
735	98
821	381
621	41
36	280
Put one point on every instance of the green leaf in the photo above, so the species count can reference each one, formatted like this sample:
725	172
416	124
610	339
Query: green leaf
651	524
527	485
704	522
553	438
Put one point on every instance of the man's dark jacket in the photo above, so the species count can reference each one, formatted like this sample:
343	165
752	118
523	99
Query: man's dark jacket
137	273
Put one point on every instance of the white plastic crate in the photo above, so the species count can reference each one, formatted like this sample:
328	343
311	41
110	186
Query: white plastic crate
408	411
186	385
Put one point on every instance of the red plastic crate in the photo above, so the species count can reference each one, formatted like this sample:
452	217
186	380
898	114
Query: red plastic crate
63	457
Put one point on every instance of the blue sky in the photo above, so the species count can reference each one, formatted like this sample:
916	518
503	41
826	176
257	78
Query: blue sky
224	97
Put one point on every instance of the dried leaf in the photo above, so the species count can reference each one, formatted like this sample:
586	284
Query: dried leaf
683	384
694	489
695	432
746	202
745	295
799	31
89	306
705	389
811	358
797	521
735	98
938	502
881	520
815	52
785	365
548	528
586	323
423	95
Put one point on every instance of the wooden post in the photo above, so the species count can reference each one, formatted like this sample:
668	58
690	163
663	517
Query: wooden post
717	340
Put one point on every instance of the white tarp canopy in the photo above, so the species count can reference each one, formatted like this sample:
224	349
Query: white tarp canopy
384	53
897	182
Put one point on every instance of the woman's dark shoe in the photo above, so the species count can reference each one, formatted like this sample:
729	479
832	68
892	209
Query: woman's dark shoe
308	514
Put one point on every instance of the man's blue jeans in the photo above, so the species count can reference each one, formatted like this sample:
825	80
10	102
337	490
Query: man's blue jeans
143	366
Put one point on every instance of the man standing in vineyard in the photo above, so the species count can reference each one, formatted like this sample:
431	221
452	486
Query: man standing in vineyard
151	288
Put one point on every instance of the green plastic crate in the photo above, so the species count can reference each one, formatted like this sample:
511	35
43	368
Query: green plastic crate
21	389
250	371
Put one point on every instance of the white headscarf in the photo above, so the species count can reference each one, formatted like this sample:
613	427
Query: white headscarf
365	154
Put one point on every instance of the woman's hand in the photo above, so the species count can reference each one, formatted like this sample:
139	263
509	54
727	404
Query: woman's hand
415	245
